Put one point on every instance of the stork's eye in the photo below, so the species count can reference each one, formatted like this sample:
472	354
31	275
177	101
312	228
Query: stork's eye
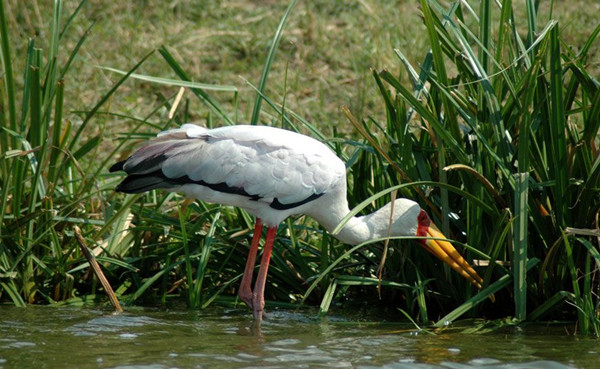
423	218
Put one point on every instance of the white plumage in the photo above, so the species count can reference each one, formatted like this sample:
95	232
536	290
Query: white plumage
272	173
267	163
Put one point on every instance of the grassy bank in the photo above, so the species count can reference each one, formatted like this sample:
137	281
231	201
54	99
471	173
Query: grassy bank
494	131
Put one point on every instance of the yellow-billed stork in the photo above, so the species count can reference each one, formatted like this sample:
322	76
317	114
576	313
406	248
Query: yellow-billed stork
272	173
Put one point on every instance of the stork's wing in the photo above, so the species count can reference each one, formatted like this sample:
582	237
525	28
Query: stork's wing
264	163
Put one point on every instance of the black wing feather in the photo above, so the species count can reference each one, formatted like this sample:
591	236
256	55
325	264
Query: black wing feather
138	183
117	166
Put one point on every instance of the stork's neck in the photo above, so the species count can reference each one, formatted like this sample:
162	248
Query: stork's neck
355	231
358	229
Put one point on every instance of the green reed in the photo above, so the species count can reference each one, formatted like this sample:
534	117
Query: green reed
49	180
494	132
512	121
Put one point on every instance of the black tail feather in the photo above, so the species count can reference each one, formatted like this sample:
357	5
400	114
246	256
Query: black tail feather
143	182
117	166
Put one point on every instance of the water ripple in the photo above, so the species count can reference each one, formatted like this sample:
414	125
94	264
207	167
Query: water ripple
44	337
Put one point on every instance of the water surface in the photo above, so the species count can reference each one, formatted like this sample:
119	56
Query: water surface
51	337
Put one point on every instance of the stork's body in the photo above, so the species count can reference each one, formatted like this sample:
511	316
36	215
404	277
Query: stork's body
272	173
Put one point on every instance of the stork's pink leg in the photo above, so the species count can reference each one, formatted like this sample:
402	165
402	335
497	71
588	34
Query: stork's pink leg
245	291
258	300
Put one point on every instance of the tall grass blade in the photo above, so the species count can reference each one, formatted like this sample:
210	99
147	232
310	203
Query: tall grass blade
550	304
66	67
520	245
531	24
8	97
55	139
483	295
205	253
192	298
327	298
583	322
91	113
11	289
203	96
175	82
51	67
450	122
267	67
350	280
557	128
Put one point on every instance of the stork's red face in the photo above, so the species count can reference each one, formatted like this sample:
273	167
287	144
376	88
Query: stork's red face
444	250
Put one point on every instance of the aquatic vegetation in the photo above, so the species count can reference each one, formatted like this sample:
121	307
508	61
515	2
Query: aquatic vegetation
514	121
494	132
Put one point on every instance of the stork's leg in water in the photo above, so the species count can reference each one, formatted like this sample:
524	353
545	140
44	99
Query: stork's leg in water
258	299
245	291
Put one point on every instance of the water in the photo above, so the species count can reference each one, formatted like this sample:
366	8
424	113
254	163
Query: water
50	337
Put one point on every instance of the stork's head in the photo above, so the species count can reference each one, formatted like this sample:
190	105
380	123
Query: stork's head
408	219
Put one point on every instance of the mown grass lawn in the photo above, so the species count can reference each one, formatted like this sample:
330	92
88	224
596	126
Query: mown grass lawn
324	60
